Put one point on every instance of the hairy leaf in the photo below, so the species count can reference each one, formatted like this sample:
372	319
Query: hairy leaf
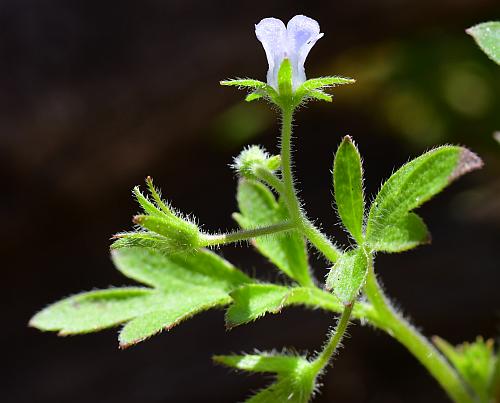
182	285
287	251
487	36
406	233
475	362
348	188
295	378
253	301
415	183
348	275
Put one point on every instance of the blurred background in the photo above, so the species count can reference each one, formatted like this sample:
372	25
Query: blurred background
96	95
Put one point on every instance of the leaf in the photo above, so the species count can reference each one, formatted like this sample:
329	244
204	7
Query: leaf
319	95
487	36
415	183
295	377
348	188
264	362
252	301
252	84
93	311
321	82
407	233
249	83
287	251
253	96
348	275
181	287
475	362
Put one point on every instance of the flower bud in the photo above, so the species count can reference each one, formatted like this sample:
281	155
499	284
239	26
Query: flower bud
251	158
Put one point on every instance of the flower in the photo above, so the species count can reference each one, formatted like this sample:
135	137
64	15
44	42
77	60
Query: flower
292	42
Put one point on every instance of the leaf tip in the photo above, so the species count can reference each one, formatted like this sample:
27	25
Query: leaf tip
467	162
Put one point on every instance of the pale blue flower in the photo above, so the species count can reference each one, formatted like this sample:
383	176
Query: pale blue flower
292	42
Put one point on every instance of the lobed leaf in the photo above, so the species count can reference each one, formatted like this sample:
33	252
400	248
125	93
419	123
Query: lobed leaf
487	36
182	285
348	275
348	188
258	207
412	185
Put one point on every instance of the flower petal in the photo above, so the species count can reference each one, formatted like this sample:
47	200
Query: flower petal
302	34
271	32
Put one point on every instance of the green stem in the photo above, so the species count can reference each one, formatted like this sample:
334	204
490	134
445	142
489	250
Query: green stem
322	360
313	234
243	235
394	324
269	178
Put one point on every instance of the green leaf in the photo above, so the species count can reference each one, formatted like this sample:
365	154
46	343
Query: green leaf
93	311
348	275
261	87
487	36
287	251
319	95
295	378
348	188
253	301
285	78
182	285
265	362
309	86
253	96
406	233
415	183
475	362
203	268
182	234
248	83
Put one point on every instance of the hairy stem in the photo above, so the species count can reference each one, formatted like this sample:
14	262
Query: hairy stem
313	234
266	176
322	360
243	235
394	324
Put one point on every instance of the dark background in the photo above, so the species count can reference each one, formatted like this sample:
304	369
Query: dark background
96	95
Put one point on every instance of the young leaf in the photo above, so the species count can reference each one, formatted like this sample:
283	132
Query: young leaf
406	233
287	251
415	183
295	378
487	36
348	188
182	287
475	362
348	275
